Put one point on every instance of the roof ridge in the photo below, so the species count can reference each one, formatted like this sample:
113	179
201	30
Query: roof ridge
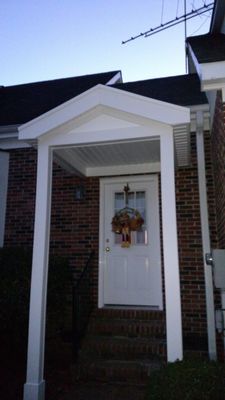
155	79
61	79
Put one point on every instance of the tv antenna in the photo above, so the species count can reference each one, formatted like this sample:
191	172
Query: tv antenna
173	22
169	24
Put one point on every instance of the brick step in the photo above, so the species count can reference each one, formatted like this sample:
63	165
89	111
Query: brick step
126	327
129	314
122	345
135	372
121	348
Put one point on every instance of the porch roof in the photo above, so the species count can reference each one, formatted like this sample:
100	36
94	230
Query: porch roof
107	128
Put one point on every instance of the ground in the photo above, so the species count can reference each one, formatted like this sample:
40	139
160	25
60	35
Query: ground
60	384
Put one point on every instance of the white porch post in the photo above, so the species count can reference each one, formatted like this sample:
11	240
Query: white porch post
34	388
170	249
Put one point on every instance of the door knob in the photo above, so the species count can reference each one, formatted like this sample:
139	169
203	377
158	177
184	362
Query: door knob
107	249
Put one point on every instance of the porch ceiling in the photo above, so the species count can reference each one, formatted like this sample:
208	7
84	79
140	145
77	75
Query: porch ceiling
107	158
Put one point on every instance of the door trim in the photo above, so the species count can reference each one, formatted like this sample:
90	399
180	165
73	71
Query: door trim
108	181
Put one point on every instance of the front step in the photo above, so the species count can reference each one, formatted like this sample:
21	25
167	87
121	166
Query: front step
126	327
131	372
122	346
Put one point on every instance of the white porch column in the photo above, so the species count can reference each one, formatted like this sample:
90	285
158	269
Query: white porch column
34	388
170	249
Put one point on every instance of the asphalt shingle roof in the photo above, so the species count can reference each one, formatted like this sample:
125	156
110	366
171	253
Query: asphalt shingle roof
183	90
21	103
208	48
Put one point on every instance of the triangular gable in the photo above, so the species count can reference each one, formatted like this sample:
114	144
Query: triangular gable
138	107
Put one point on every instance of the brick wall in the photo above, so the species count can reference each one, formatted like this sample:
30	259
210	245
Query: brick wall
21	198
190	246
190	252
218	148
218	157
74	224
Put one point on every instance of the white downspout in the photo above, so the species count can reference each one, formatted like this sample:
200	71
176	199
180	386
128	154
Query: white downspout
223	314
210	311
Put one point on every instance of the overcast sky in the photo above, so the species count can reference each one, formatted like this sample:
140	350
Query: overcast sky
50	39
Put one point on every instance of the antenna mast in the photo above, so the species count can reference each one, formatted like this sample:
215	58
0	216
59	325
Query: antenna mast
185	35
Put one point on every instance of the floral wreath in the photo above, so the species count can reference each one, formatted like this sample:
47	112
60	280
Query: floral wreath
127	218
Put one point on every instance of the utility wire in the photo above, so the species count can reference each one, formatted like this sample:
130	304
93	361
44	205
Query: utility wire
173	22
203	23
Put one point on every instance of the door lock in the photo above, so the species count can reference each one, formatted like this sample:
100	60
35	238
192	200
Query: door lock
209	258
107	249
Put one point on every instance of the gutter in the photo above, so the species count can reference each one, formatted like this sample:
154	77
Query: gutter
9	131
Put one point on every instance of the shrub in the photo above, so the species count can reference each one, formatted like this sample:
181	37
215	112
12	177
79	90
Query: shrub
15	276
15	268
188	380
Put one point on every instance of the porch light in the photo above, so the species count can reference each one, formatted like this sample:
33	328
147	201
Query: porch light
80	192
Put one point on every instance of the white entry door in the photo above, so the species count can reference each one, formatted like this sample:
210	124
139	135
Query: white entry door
130	275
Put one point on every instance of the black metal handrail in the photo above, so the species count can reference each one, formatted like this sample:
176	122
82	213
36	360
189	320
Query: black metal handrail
82	304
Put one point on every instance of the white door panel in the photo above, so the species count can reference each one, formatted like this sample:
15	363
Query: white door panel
131	276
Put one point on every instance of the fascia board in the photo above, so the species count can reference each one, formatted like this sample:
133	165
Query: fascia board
109	97
7	144
211	75
208	71
9	130
213	71
217	84
195	61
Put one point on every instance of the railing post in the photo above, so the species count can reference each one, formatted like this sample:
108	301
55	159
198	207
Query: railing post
82	305
75	325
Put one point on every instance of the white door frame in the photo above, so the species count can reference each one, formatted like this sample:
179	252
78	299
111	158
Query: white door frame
102	260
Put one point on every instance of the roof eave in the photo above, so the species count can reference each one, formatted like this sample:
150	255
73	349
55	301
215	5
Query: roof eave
211	74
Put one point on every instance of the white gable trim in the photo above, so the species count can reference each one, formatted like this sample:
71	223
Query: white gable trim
108	97
116	79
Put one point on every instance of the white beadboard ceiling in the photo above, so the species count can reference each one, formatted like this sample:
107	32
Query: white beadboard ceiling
83	158
133	156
